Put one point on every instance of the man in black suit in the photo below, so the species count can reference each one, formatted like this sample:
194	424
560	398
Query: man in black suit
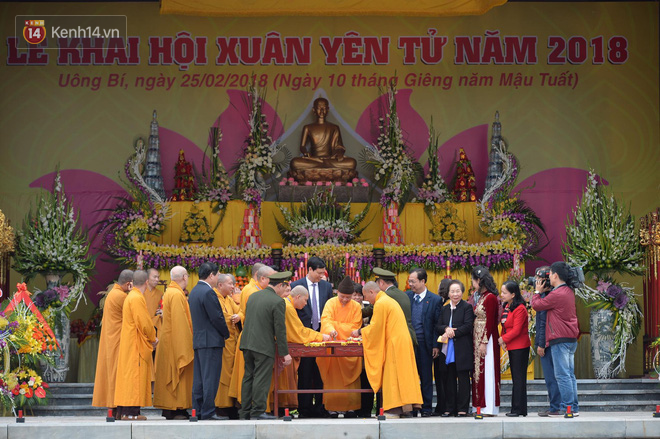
209	334
425	307
265	326
311	405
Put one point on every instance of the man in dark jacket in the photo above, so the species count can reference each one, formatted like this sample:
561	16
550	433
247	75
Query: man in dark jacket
310	405
209	334
425	307
264	327
561	333
542	349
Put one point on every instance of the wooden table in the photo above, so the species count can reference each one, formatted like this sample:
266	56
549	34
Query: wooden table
331	349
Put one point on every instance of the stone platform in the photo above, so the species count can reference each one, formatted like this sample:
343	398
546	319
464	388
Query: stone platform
588	425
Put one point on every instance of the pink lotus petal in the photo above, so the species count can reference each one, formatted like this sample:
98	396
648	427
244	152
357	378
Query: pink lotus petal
319	183
328	183
349	184
338	183
308	183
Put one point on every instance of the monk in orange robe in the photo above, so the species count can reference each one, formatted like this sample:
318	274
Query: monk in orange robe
106	365
175	354
389	354
153	296
224	402
341	316
135	363
239	363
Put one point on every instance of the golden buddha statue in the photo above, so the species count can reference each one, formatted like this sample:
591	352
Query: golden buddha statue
325	159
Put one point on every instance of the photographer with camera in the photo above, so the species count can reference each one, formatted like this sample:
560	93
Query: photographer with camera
562	330
542	284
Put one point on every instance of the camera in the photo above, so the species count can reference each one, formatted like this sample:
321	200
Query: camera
542	273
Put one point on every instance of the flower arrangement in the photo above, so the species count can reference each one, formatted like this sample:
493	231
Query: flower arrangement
445	224
214	186
395	168
51	240
433	189
196	227
6	235
25	387
7	329
135	217
320	220
52	297
602	239
257	162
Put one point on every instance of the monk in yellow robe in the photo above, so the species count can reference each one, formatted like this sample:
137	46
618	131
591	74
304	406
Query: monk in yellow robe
106	365
135	363
341	316
239	363
223	401
175	354
389	354
153	296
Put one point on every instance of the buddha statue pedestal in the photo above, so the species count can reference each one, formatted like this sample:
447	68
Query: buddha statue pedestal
320	174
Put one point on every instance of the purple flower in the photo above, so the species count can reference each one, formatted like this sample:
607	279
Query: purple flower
614	290
621	301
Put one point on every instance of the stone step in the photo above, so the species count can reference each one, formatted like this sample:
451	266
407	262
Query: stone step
614	384
86	410
68	388
592	395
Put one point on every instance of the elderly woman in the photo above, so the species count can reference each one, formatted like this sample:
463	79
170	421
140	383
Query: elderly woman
455	327
515	339
486	375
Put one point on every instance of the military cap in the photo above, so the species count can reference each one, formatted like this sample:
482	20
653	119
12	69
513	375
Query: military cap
384	274
281	276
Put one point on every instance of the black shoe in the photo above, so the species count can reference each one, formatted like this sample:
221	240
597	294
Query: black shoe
436	414
350	415
320	413
462	415
512	415
406	415
216	418
446	415
266	417
334	415
426	414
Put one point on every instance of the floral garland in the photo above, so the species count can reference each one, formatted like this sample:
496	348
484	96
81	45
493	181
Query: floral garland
395	169
320	220
602	239
52	241
257	162
22	387
496	255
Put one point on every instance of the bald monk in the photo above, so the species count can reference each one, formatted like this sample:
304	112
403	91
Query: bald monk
175	354
106	364
341	316
294	299
135	363
153	296
327	149
389	354
252	286
225	403
239	363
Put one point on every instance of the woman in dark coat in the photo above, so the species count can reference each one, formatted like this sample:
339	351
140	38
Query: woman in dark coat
455	327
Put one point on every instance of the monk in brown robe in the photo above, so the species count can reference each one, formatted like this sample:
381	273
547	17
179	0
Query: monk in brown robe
136	344
106	365
174	356
225	404
327	149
